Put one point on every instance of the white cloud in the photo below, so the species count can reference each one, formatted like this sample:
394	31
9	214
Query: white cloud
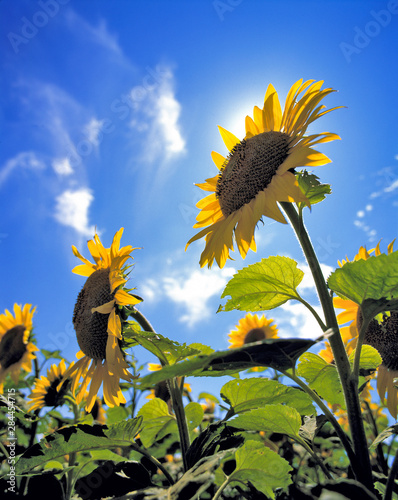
360	213
369	208
190	290
158	115
92	131
26	160
62	166
307	283
72	210
295	320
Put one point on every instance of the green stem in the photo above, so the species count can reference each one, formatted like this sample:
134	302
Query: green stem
361	465
221	489
175	393
329	415
391	479
314	313
315	457
178	407
153	460
141	320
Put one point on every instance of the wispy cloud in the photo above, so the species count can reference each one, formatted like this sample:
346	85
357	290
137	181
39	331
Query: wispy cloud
92	131
99	34
158	116
27	160
72	210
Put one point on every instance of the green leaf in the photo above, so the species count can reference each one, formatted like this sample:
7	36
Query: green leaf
322	377
280	354
374	278
265	469
78	438
194	415
51	354
264	285
166	350
370	359
312	188
393	429
250	393
271	418
156	421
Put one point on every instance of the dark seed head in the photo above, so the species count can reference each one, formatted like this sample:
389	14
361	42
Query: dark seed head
254	335
249	169
91	328
12	346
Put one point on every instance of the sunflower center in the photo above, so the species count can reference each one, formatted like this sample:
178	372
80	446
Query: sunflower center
254	335
12	346
383	337
249	169
91	328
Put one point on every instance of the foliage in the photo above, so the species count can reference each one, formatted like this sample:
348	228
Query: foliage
291	421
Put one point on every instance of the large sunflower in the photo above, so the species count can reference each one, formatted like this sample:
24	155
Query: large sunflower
45	391
97	319
252	328
382	336
258	171
16	349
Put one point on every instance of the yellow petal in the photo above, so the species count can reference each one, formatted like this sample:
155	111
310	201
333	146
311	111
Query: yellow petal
230	140
83	270
218	159
125	299
114	325
105	308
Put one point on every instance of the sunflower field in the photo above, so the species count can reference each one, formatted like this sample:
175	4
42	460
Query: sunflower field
297	419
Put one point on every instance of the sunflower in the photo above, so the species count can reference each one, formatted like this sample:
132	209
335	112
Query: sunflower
16	349
252	328
380	335
259	170
45	391
98	320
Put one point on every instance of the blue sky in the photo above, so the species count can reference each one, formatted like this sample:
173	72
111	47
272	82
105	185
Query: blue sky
109	114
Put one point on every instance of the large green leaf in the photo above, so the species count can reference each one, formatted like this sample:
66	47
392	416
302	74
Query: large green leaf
78	438
312	188
374	278
250	393
322	377
271	418
264	285
280	354
156	421
265	469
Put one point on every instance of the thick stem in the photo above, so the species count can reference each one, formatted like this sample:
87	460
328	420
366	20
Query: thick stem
178	407
361	467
